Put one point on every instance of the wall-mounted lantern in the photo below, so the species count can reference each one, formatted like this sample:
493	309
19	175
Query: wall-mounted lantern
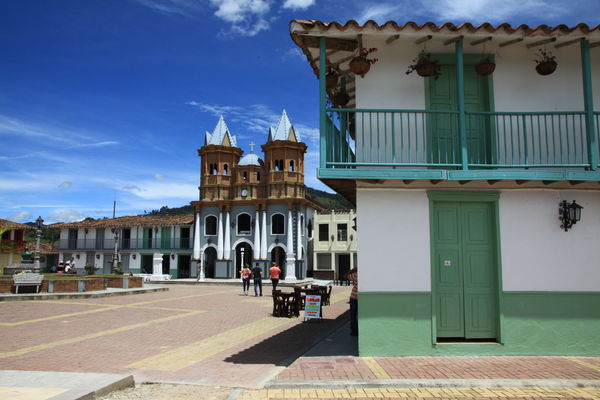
569	214
173	256
97	256
133	256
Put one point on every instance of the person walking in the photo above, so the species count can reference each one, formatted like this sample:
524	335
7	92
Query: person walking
353	276
274	272
245	274
257	278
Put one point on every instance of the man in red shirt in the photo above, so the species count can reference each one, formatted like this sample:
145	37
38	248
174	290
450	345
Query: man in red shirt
274	271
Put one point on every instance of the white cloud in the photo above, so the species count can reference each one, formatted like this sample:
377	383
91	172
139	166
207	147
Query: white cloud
99	144
159	177
255	117
66	216
173	7
152	190
459	11
295	53
298	4
20	216
236	11
65	185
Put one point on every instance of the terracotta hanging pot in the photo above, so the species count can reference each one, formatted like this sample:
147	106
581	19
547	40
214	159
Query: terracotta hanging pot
426	69
360	66
340	99
546	67
485	68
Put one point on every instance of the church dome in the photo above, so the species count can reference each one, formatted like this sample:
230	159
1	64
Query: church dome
251	159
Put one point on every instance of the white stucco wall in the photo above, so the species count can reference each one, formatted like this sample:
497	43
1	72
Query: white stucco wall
393	237
387	85
537	255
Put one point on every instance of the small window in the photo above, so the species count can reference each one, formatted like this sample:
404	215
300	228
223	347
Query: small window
277	165
210	226
301	225
323	232
277	224
225	167
257	176
245	175
244	222
342	232
309	228
292	166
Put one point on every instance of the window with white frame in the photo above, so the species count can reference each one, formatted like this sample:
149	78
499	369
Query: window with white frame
277	224
210	225
244	224
301	225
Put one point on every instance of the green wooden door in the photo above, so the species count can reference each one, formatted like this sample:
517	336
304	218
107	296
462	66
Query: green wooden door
165	237
147	242
464	246
442	132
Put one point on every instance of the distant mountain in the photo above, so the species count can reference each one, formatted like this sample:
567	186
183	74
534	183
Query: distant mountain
329	201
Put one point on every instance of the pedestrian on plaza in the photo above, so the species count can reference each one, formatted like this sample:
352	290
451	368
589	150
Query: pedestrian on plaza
245	274
274	271
257	278
353	276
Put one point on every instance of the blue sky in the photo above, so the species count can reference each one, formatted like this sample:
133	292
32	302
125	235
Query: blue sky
110	99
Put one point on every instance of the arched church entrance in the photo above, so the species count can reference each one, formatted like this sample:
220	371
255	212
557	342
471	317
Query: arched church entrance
243	255
210	258
278	255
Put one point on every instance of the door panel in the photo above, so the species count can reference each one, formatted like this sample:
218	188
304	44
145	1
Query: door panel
464	254
443	134
165	237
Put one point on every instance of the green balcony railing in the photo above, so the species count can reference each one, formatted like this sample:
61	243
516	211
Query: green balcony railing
430	139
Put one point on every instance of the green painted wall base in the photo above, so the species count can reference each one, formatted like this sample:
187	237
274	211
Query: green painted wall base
533	323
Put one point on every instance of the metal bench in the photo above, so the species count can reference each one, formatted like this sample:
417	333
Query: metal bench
28	279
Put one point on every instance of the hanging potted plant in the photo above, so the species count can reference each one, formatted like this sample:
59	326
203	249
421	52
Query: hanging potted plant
546	63
486	66
425	66
361	64
340	98
331	78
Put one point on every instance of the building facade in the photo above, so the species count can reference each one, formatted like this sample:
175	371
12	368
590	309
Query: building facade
140	241
334	244
458	181
12	242
249	210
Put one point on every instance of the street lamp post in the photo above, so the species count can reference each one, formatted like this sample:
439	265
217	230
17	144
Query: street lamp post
38	234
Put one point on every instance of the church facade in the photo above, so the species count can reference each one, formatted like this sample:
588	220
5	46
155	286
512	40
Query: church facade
252	210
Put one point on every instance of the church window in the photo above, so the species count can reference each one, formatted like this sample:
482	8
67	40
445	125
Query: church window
301	225
323	232
225	167
244	222
277	165
292	166
210	226
309	228
245	175
257	176
277	224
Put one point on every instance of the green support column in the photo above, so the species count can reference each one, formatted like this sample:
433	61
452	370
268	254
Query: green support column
588	102
322	102
344	125
460	101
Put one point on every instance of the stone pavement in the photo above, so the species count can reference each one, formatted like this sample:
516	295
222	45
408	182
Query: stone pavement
213	336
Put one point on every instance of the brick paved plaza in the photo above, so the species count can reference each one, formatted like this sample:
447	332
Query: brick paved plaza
189	334
211	336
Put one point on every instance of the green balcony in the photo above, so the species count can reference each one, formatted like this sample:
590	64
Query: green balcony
420	144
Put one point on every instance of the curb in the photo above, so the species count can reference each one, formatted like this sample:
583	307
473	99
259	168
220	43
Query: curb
82	295
438	383
121	384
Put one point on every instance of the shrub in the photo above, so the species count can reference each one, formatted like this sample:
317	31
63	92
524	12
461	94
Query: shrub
90	269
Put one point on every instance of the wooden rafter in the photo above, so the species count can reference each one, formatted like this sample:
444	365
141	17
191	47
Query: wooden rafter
423	39
595	44
567	43
512	41
541	42
392	39
479	41
332	43
453	40
343	60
